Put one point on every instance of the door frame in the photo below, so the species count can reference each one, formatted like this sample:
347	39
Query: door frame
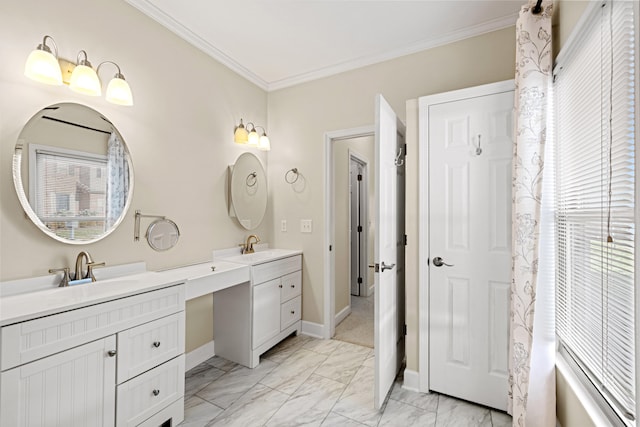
423	209
363	200
329	326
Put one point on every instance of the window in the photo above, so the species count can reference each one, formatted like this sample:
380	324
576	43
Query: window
66	190
595	203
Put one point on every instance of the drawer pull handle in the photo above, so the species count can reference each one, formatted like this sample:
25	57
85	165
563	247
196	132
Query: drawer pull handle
156	392
293	312
280	286
293	286
156	344
111	353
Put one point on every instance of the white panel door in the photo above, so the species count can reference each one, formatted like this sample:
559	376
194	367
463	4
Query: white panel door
470	151
74	388
388	132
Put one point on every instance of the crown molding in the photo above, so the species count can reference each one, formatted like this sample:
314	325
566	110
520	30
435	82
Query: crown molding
454	36
186	34
168	22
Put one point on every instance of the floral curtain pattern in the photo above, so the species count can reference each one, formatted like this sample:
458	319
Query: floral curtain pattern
117	180
533	82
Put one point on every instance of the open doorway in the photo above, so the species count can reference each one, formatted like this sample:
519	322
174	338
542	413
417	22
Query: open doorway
353	194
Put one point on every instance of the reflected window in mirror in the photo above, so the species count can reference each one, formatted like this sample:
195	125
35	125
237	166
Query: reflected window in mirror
73	173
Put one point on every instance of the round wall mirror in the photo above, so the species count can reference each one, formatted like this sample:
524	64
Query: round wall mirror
73	173
248	191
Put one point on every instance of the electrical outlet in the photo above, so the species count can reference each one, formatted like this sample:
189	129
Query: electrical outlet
305	226
283	225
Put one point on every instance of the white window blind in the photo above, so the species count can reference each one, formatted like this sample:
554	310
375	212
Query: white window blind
595	223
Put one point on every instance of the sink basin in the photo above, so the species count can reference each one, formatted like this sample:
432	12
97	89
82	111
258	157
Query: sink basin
263	256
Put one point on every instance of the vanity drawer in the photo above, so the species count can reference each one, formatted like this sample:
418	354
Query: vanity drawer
290	312
149	345
291	286
271	270
31	340
143	396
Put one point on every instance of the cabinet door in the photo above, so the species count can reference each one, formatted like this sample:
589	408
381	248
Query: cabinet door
74	388
266	311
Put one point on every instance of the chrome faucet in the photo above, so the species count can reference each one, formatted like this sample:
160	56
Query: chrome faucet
248	247
90	265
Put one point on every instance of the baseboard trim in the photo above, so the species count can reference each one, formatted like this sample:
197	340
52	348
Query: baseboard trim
199	355
411	380
315	330
343	314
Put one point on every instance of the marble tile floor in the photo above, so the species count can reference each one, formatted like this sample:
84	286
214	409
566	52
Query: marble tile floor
308	382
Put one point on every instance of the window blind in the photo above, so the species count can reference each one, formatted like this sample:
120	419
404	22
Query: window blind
68	185
594	214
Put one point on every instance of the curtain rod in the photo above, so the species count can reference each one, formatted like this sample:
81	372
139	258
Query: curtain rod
75	124
537	8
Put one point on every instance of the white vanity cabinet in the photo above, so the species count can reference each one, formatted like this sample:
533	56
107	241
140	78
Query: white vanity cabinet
117	362
249	320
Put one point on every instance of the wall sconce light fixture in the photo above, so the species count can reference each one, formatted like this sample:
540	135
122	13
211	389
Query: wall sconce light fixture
42	66
45	67
250	137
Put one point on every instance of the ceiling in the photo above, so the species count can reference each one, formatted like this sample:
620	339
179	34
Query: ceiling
280	43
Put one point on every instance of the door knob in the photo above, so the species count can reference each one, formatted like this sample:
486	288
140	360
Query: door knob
439	262
384	266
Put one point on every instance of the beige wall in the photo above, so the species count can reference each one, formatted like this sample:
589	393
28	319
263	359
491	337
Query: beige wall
299	117
179	133
364	146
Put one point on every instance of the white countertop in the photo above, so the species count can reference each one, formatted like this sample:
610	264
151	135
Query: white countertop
260	256
18	308
200	279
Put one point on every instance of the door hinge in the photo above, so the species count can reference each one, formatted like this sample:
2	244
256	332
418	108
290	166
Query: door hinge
359	177
359	280
405	150
404	329
405	240
359	229
330	247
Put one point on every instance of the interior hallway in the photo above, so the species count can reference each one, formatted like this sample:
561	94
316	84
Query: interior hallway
306	381
357	327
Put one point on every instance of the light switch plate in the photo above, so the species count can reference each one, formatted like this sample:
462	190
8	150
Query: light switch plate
305	226
283	225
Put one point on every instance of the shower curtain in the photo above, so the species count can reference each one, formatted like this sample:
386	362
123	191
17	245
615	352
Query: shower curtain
531	342
117	180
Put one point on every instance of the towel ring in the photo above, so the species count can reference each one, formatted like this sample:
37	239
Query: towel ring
252	179
291	176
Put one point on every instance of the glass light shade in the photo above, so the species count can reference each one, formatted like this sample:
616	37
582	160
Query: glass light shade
85	80
264	143
241	136
119	92
254	138
43	67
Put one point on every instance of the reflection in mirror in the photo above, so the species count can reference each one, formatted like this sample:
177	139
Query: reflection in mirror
73	173
248	191
162	234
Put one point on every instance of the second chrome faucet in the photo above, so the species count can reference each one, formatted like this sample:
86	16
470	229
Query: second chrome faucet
247	248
